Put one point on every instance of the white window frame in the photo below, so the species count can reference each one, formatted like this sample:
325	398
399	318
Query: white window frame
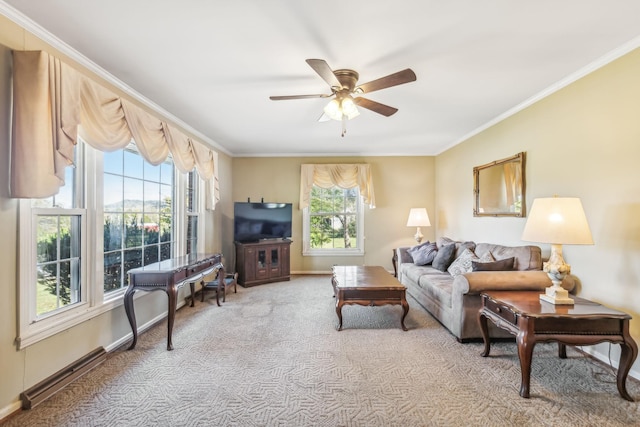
306	234
93	301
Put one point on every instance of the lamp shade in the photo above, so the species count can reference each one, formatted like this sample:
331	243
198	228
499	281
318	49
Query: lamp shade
418	217
557	220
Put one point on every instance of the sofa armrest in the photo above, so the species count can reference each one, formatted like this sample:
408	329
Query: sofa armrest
480	281
403	257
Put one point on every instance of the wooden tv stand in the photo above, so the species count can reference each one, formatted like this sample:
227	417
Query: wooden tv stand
261	262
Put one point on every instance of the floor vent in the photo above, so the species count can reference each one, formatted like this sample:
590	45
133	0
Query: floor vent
56	382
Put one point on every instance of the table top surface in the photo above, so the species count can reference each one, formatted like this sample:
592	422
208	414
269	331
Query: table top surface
173	264
528	304
364	277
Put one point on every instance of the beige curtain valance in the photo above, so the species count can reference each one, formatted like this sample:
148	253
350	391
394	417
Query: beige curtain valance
53	104
341	175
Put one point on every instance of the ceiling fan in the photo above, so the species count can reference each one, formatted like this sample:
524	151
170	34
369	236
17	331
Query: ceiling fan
345	92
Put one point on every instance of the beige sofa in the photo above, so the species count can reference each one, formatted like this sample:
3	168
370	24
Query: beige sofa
455	301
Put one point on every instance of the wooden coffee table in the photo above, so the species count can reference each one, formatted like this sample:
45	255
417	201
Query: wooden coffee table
368	286
531	320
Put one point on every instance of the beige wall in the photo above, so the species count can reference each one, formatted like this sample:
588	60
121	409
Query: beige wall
400	183
583	141
21	369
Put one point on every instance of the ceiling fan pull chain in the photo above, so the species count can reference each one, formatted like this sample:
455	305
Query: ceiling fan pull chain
344	125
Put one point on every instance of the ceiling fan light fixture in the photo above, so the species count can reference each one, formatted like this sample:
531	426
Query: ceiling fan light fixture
332	109
349	107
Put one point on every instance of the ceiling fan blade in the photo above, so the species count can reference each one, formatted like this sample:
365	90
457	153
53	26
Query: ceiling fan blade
282	98
321	67
376	107
395	79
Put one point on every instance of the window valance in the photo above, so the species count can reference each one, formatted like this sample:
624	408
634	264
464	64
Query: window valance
341	175
53	104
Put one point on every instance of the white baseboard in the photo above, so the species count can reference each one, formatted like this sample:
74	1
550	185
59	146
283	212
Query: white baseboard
601	353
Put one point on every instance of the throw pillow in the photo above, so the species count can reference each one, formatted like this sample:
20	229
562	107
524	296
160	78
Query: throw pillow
444	257
500	265
462	264
423	254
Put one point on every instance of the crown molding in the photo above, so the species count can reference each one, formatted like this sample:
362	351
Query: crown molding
571	78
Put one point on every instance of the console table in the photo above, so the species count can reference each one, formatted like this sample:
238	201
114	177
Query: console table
531	320
168	276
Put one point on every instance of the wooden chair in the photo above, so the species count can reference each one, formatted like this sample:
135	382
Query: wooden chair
219	286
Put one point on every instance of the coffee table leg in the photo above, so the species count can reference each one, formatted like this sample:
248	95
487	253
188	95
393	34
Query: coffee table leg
526	341
484	329
339	305
405	309
627	357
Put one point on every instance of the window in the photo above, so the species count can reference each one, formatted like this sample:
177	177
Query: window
191	210
58	235
138	214
115	212
333	223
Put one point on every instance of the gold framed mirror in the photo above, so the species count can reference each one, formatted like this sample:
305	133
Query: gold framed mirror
499	188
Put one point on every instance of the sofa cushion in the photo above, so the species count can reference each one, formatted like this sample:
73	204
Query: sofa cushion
444	257
460	246
462	264
424	253
526	257
500	265
439	286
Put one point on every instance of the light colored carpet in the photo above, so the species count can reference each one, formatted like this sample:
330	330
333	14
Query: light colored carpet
271	356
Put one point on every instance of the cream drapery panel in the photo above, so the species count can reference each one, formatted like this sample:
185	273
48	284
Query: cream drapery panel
341	175
53	103
513	182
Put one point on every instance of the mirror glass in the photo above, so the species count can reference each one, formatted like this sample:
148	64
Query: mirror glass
499	188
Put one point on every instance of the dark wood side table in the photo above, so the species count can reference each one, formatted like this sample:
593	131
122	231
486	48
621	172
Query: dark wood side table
531	320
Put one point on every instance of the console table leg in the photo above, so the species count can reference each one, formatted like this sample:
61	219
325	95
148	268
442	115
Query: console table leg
131	315
172	293
526	341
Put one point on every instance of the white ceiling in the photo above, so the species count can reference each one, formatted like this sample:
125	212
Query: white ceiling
212	64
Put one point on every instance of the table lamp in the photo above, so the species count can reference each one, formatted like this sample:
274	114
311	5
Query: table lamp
418	217
557	220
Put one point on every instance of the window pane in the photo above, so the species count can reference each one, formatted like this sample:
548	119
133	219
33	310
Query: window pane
47	238
132	259
151	229
151	172
112	271
332	218
165	228
133	195
58	268
151	196
113	227
165	251
113	162
166	173
65	237
166	198
145	217
46	281
112	193
133	164
151	254
132	230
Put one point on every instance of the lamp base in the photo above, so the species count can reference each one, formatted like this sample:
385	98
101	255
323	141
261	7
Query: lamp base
556	295
418	236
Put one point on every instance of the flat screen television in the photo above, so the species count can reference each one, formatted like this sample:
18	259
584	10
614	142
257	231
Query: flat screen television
253	222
